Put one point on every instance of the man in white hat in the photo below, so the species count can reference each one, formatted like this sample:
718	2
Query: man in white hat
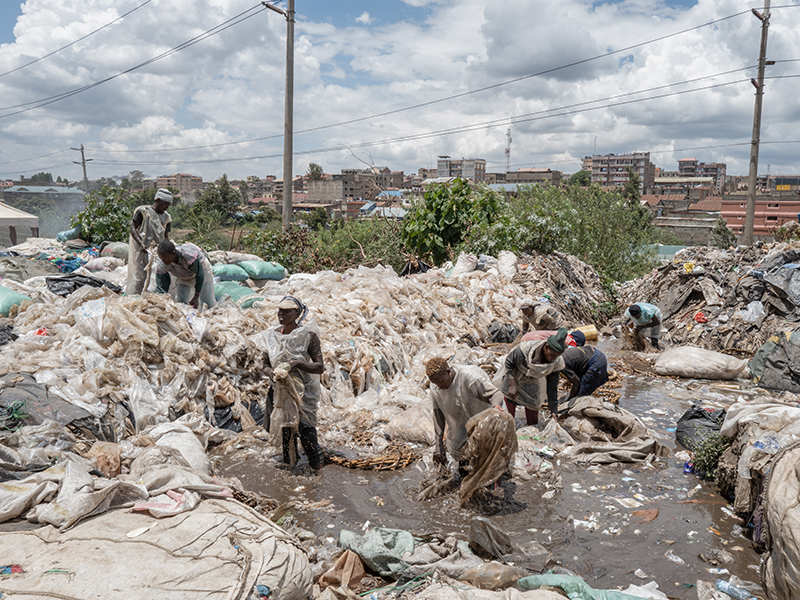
150	226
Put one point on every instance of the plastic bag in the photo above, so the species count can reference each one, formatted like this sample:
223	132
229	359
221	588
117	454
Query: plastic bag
69	234
412	425
116	249
753	312
179	437
466	263
698	363
259	269
230	272
9	298
242	296
507	264
556	436
104	263
107	456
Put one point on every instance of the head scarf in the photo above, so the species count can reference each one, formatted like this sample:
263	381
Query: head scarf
164	195
284	303
557	341
436	366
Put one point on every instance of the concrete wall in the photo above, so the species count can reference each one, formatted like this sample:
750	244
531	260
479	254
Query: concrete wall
692	232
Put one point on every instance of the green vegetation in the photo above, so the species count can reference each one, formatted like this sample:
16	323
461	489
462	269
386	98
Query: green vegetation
219	196
317	219
107	215
723	236
707	453
631	188
582	177
315	171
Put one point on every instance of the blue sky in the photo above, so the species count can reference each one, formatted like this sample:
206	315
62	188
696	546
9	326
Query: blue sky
194	111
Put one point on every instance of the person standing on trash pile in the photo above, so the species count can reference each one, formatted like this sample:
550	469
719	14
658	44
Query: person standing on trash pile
150	225
457	393
297	346
191	268
644	316
531	370
540	315
585	367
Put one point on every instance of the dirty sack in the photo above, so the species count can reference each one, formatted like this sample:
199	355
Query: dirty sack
448	556
442	591
414	424
490	448
608	433
780	568
381	549
503	333
220	549
776	364
696	424
10	298
347	571
487	540
698	363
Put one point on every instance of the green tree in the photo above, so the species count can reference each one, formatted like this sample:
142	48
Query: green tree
125	184
43	178
723	236
136	179
218	196
317	219
631	188
439	222
582	177
244	191
107	215
314	171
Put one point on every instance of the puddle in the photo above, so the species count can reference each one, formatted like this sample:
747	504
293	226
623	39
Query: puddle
589	526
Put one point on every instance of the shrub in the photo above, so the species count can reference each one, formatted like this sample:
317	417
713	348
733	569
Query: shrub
107	215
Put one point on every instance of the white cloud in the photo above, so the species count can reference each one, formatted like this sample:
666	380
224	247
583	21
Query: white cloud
230	87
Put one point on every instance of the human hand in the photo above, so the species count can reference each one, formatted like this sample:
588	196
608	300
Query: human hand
195	302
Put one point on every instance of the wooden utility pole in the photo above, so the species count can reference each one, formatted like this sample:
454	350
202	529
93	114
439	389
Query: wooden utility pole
759	85
83	162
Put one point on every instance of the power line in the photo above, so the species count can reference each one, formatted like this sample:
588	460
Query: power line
454	96
76	41
207	34
11	162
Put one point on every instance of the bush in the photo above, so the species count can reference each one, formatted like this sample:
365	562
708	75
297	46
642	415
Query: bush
294	249
723	236
369	242
107	215
707	452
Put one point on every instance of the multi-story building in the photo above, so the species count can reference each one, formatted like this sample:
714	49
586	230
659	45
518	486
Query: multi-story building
473	169
691	167
771	211
533	175
186	184
325	190
785	183
612	169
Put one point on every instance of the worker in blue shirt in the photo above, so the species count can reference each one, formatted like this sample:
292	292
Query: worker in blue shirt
644	316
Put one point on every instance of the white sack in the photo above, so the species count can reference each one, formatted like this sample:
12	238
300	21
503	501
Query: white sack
698	363
412	425
179	437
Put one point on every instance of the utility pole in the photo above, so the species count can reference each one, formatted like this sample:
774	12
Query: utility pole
759	85
83	162
288	118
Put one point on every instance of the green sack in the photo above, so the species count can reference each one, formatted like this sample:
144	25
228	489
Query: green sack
229	272
259	269
242	296
69	234
574	587
9	298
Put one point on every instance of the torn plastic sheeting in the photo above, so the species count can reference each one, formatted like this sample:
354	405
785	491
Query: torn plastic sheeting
179	437
574	587
440	591
69	284
381	549
774	364
168	504
219	549
697	424
490	448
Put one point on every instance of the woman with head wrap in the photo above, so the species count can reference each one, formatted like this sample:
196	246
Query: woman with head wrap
531	370
458	392
540	315
295	347
150	225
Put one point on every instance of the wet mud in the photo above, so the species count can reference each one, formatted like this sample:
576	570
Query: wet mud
611	524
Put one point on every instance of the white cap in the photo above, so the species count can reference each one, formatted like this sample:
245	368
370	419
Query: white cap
164	195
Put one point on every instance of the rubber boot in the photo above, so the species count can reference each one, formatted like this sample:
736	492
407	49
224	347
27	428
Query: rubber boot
289	443
308	438
654	342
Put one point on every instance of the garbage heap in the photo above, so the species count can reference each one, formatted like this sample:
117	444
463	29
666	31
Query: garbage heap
724	300
759	470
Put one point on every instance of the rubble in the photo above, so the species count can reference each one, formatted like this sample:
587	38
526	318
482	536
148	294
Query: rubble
709	297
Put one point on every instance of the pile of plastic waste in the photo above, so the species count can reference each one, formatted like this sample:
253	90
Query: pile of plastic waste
724	299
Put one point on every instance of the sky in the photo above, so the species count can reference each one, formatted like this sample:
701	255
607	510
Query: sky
392	83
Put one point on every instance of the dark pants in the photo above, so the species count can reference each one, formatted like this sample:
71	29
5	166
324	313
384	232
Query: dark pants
531	415
307	435
596	374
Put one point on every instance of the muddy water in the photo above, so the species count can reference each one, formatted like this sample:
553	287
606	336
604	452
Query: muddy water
607	550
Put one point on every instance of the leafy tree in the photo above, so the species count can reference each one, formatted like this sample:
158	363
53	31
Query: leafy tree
582	177
219	196
723	236
106	215
59	179
244	190
314	171
631	188
136	179
125	184
317	219
44	178
439	222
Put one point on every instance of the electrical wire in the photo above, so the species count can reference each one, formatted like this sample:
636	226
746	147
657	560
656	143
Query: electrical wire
454	96
76	41
12	162
207	34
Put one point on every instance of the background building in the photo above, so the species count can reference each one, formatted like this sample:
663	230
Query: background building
473	169
612	169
